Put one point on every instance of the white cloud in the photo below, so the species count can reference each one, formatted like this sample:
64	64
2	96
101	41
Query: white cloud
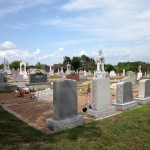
18	26
10	51
75	5
8	45
61	49
83	52
36	52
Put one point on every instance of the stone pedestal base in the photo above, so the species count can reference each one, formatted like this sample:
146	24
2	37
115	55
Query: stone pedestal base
125	106
72	122
5	87
102	113
142	101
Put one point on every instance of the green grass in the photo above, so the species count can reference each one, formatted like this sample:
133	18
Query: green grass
129	130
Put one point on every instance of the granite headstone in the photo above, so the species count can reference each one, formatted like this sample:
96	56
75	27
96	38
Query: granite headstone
144	91
38	78
124	96
124	92
101	104
1	77
65	106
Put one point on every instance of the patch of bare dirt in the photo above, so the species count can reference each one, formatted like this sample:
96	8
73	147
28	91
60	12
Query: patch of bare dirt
38	111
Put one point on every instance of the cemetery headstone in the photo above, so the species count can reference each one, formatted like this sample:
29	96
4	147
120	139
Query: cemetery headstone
112	73
73	76
38	78
128	79
18	80
124	96
124	73
45	95
139	75
131	74
23	70
101	104
6	67
65	106
144	91
5	87
1	77
68	68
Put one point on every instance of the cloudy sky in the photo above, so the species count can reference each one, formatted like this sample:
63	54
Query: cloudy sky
48	30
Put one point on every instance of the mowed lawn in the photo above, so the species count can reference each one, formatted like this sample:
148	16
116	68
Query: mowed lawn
129	130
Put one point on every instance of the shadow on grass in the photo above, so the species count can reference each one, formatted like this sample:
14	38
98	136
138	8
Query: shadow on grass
128	130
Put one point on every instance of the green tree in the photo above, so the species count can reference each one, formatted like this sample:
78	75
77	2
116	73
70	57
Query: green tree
38	65
15	64
87	63
109	67
66	60
76	63
1	66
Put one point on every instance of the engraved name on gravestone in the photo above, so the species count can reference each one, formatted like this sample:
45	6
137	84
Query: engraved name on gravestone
124	92
65	99
35	78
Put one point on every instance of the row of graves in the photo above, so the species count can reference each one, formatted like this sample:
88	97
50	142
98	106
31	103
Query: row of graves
64	95
65	101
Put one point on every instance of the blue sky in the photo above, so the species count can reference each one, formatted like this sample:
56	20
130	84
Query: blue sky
48	30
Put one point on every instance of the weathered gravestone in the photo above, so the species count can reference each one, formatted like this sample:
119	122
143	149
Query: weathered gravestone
124	96
5	87
129	79
144	91
1	77
38	78
65	106
18	80
17	77
101	104
45	95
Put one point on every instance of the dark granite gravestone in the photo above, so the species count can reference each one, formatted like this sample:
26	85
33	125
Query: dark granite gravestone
65	106
65	94
38	78
5	87
1	77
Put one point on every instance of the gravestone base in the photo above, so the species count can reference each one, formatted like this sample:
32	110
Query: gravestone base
5	87
19	84
142	101
102	113
125	106
58	125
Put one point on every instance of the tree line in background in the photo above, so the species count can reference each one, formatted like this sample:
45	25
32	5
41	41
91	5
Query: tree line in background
86	63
